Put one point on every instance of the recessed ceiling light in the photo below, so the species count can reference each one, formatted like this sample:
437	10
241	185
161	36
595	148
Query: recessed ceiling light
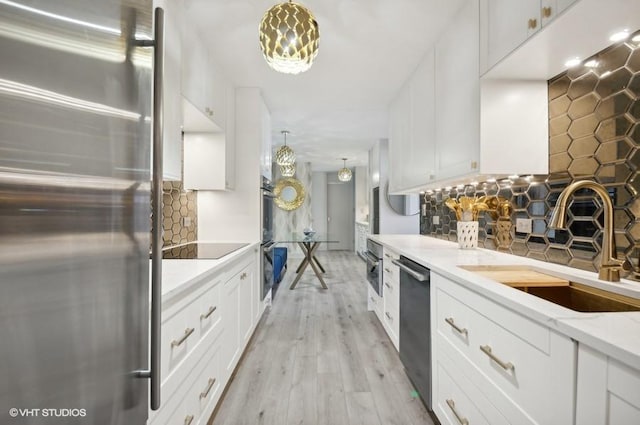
619	36
591	64
572	62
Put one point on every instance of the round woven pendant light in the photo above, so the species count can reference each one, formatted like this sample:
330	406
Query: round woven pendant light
285	155
344	175
289	38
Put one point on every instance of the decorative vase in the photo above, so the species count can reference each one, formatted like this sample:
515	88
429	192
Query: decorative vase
467	234
503	233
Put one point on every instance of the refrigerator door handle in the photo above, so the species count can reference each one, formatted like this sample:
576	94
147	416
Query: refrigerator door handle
156	201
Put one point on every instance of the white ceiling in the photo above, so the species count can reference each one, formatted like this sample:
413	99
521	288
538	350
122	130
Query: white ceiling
338	108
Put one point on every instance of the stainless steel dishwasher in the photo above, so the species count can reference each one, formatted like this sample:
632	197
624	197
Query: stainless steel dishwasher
415	325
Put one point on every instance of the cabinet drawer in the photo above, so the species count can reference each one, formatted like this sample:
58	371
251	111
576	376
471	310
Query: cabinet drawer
527	362
391	294
209	312
180	336
373	300
187	327
206	390
455	395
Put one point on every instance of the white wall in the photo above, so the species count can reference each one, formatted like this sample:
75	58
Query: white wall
362	193
390	221
287	222
235	215
319	204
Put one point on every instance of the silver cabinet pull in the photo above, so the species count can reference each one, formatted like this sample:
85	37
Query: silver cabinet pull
505	365
387	270
188	420
452	406
205	393
388	316
208	313
387	255
187	334
458	329
420	277
387	285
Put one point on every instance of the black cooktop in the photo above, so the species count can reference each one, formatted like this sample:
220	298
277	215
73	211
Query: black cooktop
196	250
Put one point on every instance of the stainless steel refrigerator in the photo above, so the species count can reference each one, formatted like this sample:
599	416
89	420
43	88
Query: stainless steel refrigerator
76	119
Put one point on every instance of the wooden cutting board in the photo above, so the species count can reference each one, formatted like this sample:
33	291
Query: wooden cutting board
522	278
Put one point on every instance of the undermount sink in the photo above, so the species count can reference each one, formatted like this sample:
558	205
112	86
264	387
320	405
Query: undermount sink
573	295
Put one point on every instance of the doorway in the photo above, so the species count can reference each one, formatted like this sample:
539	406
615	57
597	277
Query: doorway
341	214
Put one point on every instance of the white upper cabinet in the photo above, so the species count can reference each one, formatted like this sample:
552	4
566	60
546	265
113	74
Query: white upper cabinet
411	143
399	139
450	127
230	141
266	142
172	107
203	82
457	93
506	24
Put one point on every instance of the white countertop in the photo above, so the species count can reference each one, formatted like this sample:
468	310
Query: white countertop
179	275
615	334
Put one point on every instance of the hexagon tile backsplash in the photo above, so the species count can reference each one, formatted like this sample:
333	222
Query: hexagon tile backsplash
178	205
594	133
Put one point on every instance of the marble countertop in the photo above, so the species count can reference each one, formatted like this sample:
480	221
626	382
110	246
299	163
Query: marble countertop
615	334
179	275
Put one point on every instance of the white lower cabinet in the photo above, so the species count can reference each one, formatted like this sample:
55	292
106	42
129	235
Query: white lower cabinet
503	367
387	306
231	335
204	332
608	391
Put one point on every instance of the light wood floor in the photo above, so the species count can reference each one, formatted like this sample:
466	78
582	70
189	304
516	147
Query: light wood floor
319	357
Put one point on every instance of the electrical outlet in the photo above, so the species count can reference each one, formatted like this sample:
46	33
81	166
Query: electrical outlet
436	219
186	221
524	225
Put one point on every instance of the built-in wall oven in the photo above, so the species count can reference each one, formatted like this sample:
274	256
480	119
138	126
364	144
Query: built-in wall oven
267	244
374	265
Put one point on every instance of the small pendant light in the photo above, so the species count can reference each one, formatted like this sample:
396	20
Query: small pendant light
285	155
344	175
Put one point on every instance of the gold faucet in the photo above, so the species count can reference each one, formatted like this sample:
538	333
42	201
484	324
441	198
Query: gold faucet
610	265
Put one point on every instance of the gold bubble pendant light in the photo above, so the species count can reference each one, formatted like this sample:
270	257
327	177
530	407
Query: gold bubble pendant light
289	38
285	155
344	175
288	170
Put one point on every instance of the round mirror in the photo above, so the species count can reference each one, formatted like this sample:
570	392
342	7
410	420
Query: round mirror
403	204
289	194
